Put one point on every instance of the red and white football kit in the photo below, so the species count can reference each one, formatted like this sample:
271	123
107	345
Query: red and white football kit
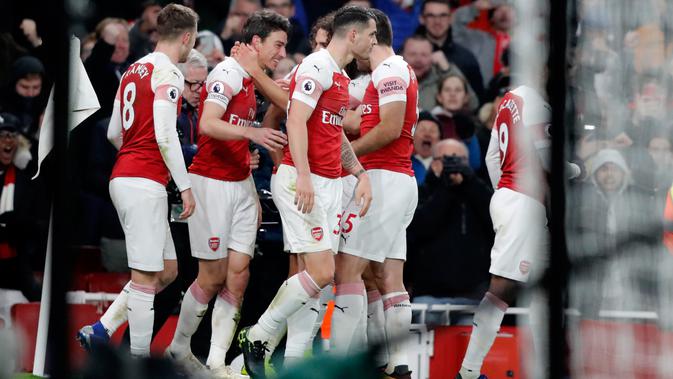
142	126
389	168
320	84
220	171
521	128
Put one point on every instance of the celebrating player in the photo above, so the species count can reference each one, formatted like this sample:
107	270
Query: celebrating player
307	188
518	161
142	127
389	115
223	229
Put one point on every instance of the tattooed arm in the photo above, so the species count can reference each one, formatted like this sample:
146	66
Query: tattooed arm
363	190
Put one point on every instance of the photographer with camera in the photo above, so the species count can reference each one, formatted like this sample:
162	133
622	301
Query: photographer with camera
451	234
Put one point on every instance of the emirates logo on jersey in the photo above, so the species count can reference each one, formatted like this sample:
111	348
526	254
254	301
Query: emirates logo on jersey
251	114
316	233
214	243
173	94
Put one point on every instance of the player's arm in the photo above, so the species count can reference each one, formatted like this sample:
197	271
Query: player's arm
387	131
349	161
167	90
114	129
222	86
542	143
493	158
298	136
272	119
392	91
246	56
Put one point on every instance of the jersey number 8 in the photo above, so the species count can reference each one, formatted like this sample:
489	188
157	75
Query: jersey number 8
128	98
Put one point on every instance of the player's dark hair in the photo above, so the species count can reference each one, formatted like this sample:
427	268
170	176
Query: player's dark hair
384	30
350	15
443	2
175	19
262	23
324	23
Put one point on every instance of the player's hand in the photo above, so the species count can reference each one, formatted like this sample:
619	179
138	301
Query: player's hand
304	195
440	60
351	121
246	56
284	84
254	159
363	193
188	203
270	139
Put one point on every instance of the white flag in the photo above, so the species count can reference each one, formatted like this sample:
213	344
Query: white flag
83	103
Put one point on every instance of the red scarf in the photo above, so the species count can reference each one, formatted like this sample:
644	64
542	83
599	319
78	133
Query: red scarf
7	205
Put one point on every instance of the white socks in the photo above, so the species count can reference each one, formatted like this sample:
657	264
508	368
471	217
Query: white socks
141	318
326	295
299	337
359	341
397	311
226	314
117	312
193	308
485	326
349	305
376	322
290	297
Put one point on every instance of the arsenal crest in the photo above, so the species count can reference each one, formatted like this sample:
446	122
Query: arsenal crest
214	243
317	233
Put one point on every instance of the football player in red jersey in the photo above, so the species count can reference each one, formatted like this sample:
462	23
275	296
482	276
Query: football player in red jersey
389	115
142	127
307	188
518	162
223	237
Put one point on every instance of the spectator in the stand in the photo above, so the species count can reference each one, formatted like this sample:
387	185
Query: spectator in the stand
659	149
489	43
195	71
210	45
650	103
17	215
451	234
297	43
143	35
22	97
615	222
429	68
230	29
455	121
435	22
452	96
107	62
427	134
